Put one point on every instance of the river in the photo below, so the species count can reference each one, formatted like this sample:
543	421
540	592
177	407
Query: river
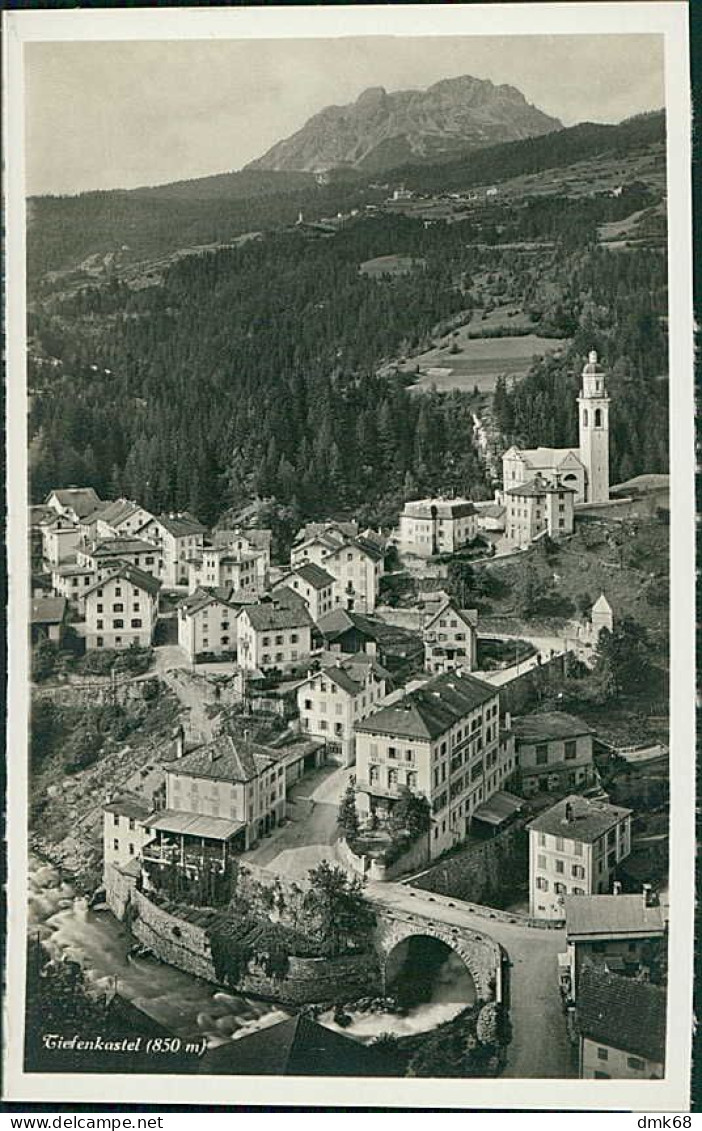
188	1006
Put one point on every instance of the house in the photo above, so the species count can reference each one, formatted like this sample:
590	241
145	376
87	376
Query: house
357	568
624	934
297	1046
73	502
584	469
121	609
354	560
554	753
124	831
574	849
331	701
314	584
179	537
47	619
490	517
450	638
536	507
72	581
60	538
349	632
275	633
120	519
441	740
207	621
220	800
220	567
621	1023
437	526
102	557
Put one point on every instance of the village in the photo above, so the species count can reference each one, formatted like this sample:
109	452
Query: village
347	709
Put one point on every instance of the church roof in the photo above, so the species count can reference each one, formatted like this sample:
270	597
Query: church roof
601	605
548	457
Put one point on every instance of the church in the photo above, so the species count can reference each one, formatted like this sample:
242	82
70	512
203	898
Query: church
542	485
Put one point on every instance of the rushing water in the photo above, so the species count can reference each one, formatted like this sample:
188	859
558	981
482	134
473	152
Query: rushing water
191	1007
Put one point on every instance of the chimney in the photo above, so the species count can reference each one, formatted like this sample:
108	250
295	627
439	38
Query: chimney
568	812
508	720
647	893
616	888
179	737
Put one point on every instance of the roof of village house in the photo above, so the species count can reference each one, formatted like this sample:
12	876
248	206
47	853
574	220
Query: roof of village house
38	515
83	500
70	567
273	614
128	805
432	709
313	575
203	596
93	516
297	1046
622	1012
642	485
490	510
130	573
590	819
611	916
118	511
470	616
225	758
114	547
370	547
312	530
180	525
349	674
537	486
443	508
47	610
548	726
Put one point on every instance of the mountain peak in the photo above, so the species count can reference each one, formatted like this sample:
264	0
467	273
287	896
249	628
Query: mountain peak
380	129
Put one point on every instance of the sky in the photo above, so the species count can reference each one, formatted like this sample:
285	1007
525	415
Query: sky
105	115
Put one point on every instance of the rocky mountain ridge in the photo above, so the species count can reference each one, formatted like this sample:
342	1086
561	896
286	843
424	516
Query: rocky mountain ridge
381	130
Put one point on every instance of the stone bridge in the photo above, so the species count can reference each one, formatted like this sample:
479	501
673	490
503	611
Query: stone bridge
480	954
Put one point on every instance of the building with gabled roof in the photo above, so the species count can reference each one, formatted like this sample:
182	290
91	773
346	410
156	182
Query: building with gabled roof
120	518
625	934
72	581
354	560
450	638
207	620
441	740
575	848
332	700
47	619
274	633
226	793
73	502
622	1027
180	538
314	584
121	608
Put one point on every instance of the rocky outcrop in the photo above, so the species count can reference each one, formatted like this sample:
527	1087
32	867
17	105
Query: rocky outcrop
381	130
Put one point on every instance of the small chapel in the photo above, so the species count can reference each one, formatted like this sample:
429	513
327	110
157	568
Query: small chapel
542	485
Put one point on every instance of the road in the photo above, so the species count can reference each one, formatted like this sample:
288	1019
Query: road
310	834
539	1046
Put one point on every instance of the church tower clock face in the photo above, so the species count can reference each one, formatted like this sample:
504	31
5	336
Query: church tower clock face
593	408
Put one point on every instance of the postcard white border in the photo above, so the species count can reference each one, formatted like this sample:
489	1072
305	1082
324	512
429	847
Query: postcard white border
666	19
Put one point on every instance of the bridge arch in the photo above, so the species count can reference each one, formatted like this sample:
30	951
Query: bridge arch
480	955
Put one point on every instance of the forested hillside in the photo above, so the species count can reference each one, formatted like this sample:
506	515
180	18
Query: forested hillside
254	371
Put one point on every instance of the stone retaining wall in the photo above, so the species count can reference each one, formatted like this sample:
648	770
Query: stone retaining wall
309	980
479	873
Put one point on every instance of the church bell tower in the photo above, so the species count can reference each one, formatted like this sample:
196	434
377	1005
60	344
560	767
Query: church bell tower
593	408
